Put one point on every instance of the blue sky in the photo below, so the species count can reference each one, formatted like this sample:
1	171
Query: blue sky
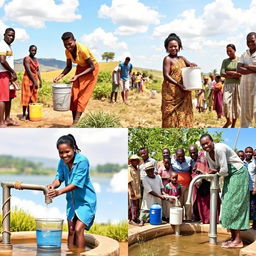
246	137
135	28
98	145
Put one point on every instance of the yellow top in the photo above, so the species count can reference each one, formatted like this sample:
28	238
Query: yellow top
82	54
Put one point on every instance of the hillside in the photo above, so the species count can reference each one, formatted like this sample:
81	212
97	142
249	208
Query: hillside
50	68
45	64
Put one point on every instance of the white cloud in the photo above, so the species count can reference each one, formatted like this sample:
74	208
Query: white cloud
37	210
132	16
100	39
97	187
2	3
20	33
219	18
118	183
36	13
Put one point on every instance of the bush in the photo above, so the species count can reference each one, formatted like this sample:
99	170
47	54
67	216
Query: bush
102	90
104	76
45	93
99	120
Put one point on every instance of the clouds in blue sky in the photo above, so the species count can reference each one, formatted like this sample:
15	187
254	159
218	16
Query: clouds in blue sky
99	145
135	28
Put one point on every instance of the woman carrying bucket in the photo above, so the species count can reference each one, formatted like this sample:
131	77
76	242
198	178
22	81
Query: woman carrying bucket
73	169
31	77
85	77
177	109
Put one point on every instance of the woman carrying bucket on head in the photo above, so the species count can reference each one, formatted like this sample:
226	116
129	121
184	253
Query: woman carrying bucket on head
85	77
73	168
31	77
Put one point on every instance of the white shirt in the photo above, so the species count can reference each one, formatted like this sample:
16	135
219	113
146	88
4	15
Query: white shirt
115	75
224	155
151	184
6	50
248	59
252	172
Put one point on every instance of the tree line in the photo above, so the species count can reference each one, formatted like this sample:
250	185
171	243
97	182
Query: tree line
18	165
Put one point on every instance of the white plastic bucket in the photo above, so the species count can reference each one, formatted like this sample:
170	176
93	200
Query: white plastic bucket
176	215
153	94
192	78
61	97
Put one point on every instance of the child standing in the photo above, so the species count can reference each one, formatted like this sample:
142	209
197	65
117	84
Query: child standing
218	96
115	86
134	192
73	168
31	77
172	189
165	171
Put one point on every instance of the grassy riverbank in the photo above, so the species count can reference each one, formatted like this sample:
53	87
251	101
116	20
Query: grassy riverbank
21	221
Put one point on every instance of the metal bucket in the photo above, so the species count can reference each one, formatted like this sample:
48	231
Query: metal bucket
61	96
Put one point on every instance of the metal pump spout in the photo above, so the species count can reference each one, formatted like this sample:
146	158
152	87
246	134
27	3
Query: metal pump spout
6	208
214	190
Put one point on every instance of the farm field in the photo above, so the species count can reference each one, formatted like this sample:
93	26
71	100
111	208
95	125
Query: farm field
143	110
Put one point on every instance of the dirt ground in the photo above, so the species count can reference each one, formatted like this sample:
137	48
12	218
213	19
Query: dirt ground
143	111
123	248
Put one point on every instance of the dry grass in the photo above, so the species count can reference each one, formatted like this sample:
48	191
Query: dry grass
142	112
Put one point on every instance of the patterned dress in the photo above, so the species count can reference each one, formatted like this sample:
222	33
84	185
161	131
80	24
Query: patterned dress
28	94
177	109
235	193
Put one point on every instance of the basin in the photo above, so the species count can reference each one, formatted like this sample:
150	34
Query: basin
24	244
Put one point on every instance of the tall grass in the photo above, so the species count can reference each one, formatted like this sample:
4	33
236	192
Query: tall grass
21	221
99	120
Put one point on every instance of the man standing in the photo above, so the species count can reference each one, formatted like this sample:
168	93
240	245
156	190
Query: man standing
143	153
7	75
250	164
124	73
247	67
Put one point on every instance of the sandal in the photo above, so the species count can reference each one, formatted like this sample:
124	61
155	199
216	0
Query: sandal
11	123
232	245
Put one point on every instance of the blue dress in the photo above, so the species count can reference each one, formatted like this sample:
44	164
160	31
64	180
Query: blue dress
82	200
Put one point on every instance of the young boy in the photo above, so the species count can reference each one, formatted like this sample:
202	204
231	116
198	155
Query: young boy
85	77
115	86
153	191
134	193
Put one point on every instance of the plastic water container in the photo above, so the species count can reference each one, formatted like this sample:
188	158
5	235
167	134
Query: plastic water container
191	77
35	111
49	233
61	97
153	94
176	215
155	214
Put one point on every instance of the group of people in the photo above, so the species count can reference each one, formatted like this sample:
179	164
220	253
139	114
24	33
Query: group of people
236	98
167	181
83	82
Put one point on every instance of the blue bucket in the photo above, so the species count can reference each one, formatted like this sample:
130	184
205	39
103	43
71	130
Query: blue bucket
49	233
155	214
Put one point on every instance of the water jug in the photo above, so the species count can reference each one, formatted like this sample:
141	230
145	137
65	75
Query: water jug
155	214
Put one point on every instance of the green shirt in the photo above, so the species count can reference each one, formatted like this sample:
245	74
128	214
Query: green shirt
229	65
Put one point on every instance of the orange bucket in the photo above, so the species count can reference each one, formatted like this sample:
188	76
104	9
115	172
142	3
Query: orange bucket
35	111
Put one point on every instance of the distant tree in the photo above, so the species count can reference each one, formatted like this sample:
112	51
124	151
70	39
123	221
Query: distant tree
108	56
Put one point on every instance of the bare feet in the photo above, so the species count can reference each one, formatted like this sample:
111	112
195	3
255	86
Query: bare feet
132	222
